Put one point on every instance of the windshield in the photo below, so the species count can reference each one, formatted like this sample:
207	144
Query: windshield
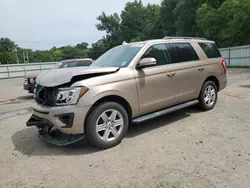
57	65
118	57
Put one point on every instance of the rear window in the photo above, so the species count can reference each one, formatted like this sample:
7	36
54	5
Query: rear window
210	50
181	52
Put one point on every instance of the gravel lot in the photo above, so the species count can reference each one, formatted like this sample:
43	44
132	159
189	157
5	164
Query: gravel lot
186	149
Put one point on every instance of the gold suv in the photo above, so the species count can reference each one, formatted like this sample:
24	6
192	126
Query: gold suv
130	83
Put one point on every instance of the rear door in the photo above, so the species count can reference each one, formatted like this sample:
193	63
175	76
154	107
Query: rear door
157	86
189	70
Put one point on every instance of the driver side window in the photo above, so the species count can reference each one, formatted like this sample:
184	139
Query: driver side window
159	52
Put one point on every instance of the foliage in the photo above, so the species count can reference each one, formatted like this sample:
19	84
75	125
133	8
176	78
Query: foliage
224	21
228	25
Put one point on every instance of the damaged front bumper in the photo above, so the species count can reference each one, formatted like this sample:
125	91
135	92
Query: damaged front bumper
51	135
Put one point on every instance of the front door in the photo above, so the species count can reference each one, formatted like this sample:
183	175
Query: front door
157	86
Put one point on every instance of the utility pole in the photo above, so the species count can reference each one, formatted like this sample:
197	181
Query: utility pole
27	56
24	61
17	60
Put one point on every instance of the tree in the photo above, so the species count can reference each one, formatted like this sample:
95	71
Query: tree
153	28
82	46
134	17
57	55
110	24
168	18
228	25
7	58
185	14
6	45
224	21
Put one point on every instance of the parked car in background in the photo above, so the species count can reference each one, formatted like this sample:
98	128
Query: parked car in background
30	80
131	83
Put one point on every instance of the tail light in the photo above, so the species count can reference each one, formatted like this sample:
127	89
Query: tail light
224	66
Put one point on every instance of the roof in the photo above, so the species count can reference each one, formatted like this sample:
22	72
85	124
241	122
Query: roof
78	59
173	39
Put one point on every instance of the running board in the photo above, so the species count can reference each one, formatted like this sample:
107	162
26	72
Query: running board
163	112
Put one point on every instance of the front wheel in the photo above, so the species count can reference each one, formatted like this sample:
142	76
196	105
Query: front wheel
107	125
208	96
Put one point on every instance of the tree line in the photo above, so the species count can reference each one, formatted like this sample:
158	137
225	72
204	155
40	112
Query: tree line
224	21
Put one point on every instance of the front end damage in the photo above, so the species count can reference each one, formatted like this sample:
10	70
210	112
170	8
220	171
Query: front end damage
50	134
56	114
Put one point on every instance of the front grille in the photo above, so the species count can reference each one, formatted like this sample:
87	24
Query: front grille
45	96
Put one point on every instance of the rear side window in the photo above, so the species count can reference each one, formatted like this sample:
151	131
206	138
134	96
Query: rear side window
210	50
181	52
83	63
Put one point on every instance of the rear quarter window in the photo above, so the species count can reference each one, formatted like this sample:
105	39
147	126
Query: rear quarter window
210	50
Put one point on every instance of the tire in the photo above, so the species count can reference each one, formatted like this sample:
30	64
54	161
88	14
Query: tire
208	96
109	133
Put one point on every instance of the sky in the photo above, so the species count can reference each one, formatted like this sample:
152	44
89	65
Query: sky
42	24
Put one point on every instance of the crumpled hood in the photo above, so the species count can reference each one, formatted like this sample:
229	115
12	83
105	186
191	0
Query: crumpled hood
56	77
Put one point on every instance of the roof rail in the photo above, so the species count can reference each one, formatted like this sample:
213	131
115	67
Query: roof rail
167	37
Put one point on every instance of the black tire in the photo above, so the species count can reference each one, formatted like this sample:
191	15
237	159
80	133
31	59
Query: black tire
90	128
202	103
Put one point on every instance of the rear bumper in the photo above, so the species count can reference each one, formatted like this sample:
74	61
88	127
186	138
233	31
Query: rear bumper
223	82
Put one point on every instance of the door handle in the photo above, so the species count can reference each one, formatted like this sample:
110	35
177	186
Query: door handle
201	68
171	74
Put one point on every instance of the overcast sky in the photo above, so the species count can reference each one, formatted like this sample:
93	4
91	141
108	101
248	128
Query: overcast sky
42	24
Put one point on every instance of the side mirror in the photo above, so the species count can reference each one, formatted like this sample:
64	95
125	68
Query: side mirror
146	62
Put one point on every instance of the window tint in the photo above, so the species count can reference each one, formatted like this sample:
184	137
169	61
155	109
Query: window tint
159	52
210	50
83	63
181	52
70	64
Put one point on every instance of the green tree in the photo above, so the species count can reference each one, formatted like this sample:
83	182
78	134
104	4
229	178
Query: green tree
7	58
185	14
109	23
168	18
134	17
228	25
82	46
57	55
7	45
153	26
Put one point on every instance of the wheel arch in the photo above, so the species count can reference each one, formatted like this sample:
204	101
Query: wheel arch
112	98
213	79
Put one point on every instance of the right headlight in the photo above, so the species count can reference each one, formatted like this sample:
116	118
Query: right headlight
69	96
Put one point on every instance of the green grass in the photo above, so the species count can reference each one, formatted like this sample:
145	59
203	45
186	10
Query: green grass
231	66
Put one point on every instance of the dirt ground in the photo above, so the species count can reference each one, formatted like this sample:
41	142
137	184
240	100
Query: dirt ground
186	149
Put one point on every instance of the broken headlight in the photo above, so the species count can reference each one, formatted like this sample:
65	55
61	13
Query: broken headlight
68	96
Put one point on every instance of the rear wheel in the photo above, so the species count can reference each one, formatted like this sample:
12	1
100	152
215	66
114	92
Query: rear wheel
107	125
208	96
